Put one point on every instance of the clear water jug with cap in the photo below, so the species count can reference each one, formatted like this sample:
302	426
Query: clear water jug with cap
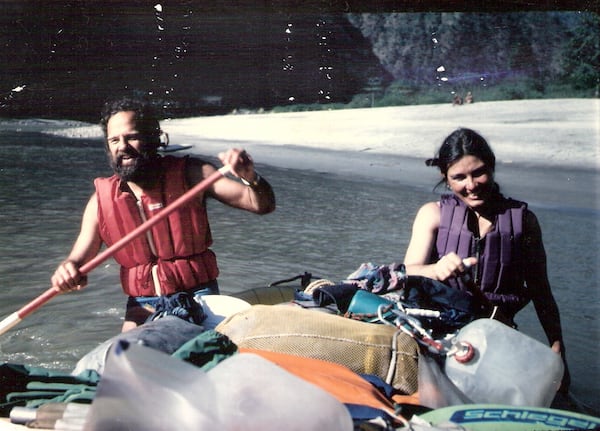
496	364
144	389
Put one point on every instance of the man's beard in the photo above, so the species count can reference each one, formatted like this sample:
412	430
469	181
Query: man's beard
142	170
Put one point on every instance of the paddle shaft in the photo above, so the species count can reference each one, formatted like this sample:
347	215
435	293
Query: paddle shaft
29	308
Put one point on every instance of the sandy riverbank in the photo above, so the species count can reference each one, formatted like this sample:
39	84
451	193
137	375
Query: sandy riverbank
547	150
543	132
557	132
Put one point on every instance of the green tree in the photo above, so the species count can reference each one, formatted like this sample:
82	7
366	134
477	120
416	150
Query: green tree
581	54
472	48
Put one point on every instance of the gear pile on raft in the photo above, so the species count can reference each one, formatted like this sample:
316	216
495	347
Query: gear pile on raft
379	350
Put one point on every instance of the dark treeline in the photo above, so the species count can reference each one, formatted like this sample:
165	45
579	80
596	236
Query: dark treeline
477	49
443	56
62	60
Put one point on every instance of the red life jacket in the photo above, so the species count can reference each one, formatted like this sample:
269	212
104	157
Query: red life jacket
181	240
500	266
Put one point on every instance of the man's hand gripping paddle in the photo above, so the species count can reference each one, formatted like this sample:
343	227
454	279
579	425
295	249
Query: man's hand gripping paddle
29	308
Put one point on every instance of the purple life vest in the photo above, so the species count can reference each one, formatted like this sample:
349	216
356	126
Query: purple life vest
500	268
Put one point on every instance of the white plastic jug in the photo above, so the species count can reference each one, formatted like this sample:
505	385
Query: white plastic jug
504	366
254	394
144	389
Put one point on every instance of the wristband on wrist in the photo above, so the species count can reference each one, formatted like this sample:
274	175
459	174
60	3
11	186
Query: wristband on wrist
254	183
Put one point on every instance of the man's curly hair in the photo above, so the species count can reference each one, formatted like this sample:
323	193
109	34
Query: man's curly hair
145	115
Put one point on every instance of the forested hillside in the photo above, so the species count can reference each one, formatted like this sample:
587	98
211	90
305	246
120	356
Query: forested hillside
62	60
480	49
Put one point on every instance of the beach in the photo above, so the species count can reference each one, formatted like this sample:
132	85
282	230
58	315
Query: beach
520	131
547	150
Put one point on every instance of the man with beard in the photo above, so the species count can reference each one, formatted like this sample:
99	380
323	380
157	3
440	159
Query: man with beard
174	256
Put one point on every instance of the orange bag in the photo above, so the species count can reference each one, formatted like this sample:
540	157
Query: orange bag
341	382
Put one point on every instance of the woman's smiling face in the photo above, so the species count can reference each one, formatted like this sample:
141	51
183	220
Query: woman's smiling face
470	180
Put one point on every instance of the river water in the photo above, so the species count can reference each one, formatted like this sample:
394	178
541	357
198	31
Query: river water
325	223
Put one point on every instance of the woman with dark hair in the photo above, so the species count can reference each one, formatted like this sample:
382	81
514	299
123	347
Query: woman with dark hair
475	238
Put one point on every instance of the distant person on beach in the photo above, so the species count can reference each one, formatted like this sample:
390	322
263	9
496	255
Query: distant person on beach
174	256
457	100
475	230
469	98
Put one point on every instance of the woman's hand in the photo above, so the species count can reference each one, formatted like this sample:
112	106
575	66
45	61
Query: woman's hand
556	347
452	265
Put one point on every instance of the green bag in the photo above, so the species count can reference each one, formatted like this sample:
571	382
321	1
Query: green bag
22	385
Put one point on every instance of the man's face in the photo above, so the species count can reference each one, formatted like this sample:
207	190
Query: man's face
129	153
